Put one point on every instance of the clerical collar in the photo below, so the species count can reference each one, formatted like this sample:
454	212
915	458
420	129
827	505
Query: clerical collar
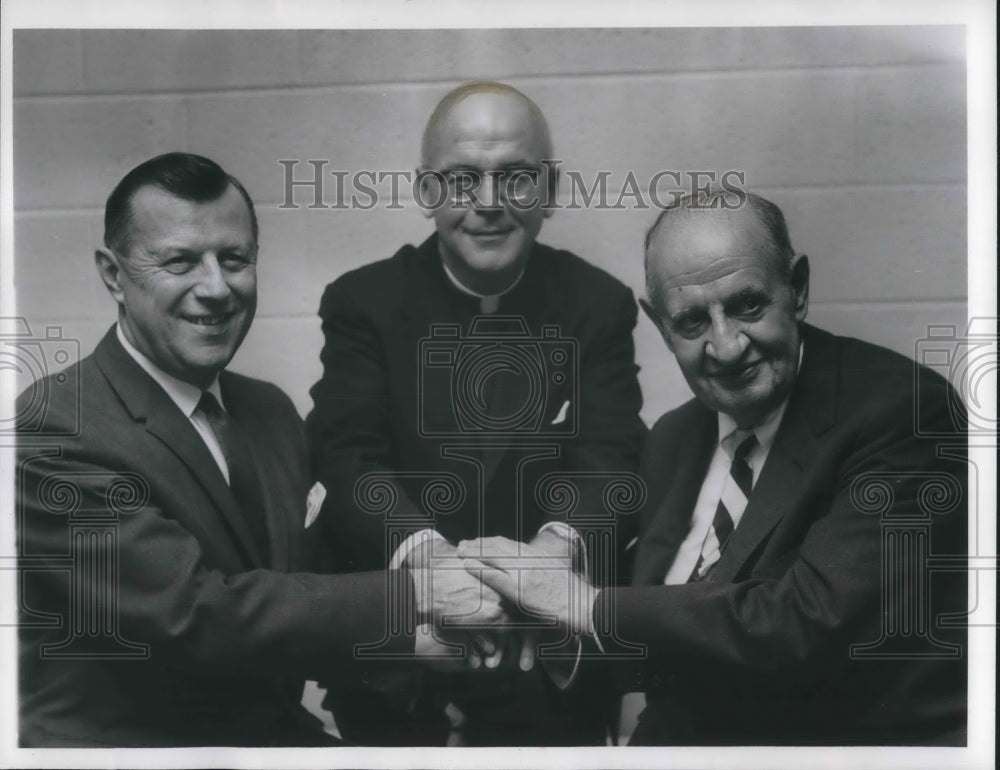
184	394
488	303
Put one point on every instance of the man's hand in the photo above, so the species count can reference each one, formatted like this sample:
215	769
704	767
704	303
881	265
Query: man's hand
432	549
556	544
452	651
449	596
533	580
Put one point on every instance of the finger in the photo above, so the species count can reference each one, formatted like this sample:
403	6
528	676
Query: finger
494	547
492	661
496	579
482	645
529	642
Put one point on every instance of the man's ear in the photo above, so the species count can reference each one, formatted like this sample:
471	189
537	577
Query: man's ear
110	270
658	322
429	190
800	285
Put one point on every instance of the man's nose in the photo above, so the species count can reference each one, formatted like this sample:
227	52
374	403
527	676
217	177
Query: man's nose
727	342
489	195
211	279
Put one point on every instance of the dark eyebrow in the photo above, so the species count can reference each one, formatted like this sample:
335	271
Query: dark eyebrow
685	313
749	293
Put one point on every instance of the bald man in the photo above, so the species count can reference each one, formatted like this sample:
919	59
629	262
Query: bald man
487	360
781	585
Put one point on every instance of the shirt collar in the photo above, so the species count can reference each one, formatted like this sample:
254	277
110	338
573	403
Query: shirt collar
766	431
466	290
184	394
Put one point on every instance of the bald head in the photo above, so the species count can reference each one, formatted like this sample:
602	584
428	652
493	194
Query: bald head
483	97
704	222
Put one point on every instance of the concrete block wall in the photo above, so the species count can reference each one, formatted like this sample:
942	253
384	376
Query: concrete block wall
857	133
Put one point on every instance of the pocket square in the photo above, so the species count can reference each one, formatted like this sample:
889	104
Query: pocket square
314	501
561	417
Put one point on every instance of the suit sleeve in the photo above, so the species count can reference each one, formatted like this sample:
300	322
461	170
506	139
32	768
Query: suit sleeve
350	433
166	595
611	431
792	623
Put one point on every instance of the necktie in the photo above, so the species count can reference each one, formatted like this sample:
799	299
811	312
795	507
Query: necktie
243	479
735	493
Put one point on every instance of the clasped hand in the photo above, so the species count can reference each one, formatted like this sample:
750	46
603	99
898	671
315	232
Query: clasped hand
470	598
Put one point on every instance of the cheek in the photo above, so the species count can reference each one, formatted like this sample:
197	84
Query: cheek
448	218
531	220
244	285
688	358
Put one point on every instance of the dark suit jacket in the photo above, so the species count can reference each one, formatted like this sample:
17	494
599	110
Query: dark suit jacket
194	643
376	390
761	652
385	410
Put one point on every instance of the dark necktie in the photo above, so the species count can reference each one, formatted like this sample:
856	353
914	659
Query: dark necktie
735	494
243	479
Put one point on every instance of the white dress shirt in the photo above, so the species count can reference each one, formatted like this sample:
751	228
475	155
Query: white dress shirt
186	396
711	488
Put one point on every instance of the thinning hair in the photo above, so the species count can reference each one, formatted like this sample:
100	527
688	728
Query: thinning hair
181	174
768	215
471	88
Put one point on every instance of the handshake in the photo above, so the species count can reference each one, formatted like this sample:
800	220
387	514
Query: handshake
494	599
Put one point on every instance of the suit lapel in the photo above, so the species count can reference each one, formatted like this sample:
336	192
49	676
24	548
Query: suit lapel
811	410
273	489
149	404
672	520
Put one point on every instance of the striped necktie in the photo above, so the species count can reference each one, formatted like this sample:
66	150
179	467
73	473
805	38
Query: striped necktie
735	493
243	479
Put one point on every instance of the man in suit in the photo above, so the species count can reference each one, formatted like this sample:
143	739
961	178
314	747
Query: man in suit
484	358
164	535
781	587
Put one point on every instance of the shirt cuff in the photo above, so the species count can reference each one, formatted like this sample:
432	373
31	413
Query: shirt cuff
556	669
579	547
411	542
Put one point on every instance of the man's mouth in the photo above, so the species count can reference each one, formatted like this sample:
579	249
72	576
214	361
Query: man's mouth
737	374
204	319
490	234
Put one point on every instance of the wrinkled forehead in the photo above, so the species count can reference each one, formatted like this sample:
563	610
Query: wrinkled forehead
690	276
157	215
695	248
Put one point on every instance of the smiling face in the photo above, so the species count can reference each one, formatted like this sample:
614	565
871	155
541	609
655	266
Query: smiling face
727	311
187	290
486	235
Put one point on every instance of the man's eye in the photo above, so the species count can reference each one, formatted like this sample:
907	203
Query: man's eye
751	306
463	180
689	326
235	261
178	265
